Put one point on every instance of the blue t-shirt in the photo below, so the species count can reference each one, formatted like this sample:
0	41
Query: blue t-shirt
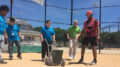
47	33
2	25
12	32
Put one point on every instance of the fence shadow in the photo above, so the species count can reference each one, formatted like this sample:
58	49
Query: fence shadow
70	63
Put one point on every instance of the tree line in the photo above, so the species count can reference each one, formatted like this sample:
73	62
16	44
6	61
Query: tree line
61	37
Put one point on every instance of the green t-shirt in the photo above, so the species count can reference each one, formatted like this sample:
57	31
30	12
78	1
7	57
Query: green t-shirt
73	31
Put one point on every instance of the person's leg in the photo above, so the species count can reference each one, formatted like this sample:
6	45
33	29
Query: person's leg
0	53
94	51
70	48
82	54
0	50
94	55
10	50
1	45
84	45
17	43
83	51
93	45
1	40
44	50
50	47
74	48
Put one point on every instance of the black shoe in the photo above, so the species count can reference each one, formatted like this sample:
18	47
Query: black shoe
80	61
19	57
43	60
10	58
93	62
3	62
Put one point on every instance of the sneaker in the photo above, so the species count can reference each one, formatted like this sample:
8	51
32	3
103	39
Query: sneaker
43	60
19	57
70	58
10	58
80	61
3	62
74	58
93	62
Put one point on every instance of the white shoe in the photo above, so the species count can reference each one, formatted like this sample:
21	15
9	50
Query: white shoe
70	58
74	58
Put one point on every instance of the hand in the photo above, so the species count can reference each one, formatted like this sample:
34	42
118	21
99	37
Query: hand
98	38
68	37
6	40
76	40
42	40
79	38
53	40
20	39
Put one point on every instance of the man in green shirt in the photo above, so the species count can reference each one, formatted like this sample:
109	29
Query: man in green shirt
72	35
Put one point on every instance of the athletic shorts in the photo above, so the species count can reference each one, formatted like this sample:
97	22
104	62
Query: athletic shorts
91	40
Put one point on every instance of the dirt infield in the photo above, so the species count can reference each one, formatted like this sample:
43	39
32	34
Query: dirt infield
34	60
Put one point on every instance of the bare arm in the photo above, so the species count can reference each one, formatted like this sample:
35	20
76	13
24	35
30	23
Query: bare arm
82	32
53	36
98	33
19	33
68	37
5	35
41	37
79	37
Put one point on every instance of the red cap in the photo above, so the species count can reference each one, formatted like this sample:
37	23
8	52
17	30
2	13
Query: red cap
89	12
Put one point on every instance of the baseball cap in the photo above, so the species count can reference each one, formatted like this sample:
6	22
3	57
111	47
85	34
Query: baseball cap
89	12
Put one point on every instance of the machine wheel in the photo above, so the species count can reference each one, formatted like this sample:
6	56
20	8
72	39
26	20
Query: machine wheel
63	62
48	61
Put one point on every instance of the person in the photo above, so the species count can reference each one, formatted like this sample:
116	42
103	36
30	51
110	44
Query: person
47	34
92	36
3	12
13	35
72	35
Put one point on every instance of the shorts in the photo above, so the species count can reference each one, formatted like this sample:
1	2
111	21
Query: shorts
91	40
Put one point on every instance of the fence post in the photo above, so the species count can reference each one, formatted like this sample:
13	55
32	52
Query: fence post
109	37
45	10
11	5
118	34
71	11
100	26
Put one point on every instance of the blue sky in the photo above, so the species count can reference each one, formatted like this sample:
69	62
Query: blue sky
35	11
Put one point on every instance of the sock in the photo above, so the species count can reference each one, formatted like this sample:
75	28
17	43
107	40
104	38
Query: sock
82	57
95	59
